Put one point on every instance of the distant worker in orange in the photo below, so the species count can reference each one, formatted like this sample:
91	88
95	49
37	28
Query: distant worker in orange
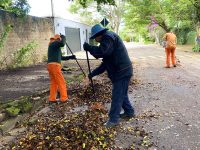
170	47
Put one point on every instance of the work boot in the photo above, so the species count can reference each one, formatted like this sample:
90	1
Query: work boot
167	66
109	124
126	116
65	101
53	102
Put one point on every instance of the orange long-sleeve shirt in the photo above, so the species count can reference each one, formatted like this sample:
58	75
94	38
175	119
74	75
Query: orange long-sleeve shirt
170	38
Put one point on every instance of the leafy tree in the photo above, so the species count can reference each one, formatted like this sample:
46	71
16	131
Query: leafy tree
114	13
93	12
88	14
5	4
147	12
196	14
85	2
19	7
178	15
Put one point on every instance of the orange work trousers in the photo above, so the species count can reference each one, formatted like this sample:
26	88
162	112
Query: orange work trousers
170	53
57	82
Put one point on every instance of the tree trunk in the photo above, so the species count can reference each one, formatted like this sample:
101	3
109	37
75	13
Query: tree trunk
164	26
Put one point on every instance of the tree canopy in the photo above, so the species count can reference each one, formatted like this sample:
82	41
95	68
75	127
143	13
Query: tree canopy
142	17
84	2
19	7
136	16
94	13
178	15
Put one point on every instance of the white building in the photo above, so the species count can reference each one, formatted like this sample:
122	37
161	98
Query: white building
64	22
76	33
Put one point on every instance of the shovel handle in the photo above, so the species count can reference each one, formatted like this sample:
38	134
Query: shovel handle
76	60
90	72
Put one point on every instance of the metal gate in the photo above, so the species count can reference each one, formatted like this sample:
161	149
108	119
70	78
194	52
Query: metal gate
73	39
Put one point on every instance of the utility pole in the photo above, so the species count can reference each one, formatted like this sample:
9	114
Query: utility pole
52	13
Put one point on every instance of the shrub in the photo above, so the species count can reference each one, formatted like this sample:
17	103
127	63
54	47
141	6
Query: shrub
196	48
23	56
191	37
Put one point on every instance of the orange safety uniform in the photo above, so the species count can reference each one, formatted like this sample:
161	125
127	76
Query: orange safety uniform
170	48
57	81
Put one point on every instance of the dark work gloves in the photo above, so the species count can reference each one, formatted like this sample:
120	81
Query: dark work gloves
72	57
68	57
62	36
90	76
86	47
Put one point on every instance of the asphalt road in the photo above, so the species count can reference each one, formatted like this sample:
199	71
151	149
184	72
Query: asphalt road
169	97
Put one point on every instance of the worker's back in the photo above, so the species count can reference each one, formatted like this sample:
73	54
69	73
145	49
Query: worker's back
170	38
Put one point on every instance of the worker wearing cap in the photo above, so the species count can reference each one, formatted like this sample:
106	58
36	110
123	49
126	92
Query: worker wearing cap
119	68
170	48
57	81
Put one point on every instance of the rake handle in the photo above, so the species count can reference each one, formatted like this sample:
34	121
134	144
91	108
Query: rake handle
90	72
76	60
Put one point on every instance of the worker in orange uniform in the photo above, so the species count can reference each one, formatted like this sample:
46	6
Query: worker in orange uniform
170	47
57	81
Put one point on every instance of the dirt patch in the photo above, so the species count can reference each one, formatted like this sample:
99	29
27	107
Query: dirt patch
33	79
23	82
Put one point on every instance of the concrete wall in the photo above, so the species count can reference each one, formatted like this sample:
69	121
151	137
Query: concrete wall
38	29
24	31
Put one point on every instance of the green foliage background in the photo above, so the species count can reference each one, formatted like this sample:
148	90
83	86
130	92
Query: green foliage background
180	16
19	7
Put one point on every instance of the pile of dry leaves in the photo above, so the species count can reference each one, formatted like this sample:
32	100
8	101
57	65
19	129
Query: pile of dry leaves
62	128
